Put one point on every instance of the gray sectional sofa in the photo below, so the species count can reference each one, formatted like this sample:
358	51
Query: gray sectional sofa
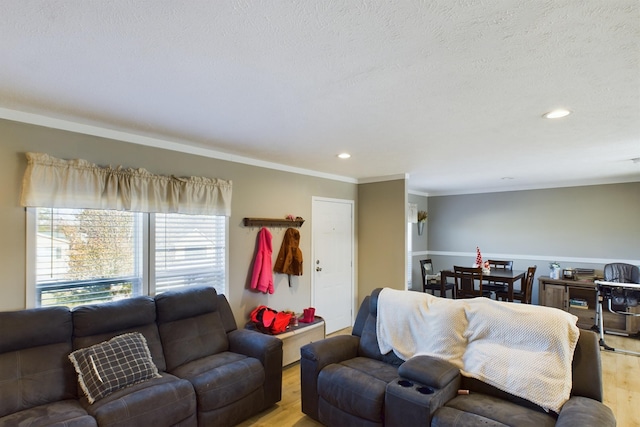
347	381
209	372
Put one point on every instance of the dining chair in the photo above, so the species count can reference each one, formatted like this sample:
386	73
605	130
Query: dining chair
431	281
524	293
494	286
466	280
501	264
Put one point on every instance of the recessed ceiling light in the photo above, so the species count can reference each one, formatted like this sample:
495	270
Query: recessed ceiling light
344	155
556	114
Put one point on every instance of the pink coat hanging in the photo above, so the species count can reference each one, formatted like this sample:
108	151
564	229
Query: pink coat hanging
262	276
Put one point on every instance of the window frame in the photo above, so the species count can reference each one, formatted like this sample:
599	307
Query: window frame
148	256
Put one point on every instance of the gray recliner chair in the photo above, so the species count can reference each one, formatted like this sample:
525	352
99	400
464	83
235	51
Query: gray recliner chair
347	381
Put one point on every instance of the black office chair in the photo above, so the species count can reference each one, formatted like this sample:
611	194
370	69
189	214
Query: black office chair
431	281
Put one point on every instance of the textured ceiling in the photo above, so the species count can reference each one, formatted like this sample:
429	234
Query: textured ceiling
450	92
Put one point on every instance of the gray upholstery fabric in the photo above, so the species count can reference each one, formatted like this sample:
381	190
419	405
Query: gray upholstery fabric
357	387
361	317
233	413
332	416
339	388
63	413
450	417
34	369
226	314
587	381
369	339
222	379
235	373
192	338
580	411
477	386
98	319
500	411
34	327
344	377
316	356
414	403
93	324
429	371
268	350
161	401
186	302
158	402
190	325
38	386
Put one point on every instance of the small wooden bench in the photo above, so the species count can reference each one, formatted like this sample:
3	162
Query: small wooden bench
297	336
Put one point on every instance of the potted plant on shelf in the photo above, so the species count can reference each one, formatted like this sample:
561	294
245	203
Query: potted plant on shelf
422	218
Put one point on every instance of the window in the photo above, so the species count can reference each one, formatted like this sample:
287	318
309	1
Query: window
85	256
189	250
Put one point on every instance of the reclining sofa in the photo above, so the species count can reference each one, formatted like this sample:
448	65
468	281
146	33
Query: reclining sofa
347	381
205	371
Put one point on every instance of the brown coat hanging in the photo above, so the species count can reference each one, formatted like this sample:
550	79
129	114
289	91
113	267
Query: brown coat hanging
289	259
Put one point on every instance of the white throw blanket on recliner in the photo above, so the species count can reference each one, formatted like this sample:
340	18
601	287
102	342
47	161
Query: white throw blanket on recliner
525	350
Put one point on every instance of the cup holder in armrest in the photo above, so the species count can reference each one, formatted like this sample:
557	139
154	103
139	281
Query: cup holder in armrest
425	390
411	402
422	389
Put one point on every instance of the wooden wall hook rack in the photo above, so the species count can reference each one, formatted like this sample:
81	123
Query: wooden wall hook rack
273	222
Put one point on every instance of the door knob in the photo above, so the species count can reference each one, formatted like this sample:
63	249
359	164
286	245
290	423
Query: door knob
318	268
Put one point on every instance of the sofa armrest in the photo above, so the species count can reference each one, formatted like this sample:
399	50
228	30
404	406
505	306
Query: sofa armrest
425	385
582	411
429	371
314	357
268	350
330	350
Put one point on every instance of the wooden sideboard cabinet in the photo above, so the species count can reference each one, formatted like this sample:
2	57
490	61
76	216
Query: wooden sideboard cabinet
578	297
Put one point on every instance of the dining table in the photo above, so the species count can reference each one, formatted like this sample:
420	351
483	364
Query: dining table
509	277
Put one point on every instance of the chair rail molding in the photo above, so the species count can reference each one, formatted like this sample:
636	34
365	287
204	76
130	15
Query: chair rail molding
558	258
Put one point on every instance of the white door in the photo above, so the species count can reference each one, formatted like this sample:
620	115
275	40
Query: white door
332	262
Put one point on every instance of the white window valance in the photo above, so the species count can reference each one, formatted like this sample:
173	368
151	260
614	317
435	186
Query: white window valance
58	183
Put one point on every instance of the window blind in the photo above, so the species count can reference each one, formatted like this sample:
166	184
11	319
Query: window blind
189	250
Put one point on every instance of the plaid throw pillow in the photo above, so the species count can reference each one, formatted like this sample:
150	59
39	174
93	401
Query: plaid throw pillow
112	365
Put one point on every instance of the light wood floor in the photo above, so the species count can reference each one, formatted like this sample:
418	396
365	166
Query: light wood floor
620	372
621	378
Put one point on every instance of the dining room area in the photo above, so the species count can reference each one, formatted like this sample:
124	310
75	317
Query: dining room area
495	279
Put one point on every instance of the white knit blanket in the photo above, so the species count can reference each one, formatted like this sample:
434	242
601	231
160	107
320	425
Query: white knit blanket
525	350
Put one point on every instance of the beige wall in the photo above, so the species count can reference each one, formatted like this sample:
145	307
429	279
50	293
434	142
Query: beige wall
257	192
578	226
382	248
